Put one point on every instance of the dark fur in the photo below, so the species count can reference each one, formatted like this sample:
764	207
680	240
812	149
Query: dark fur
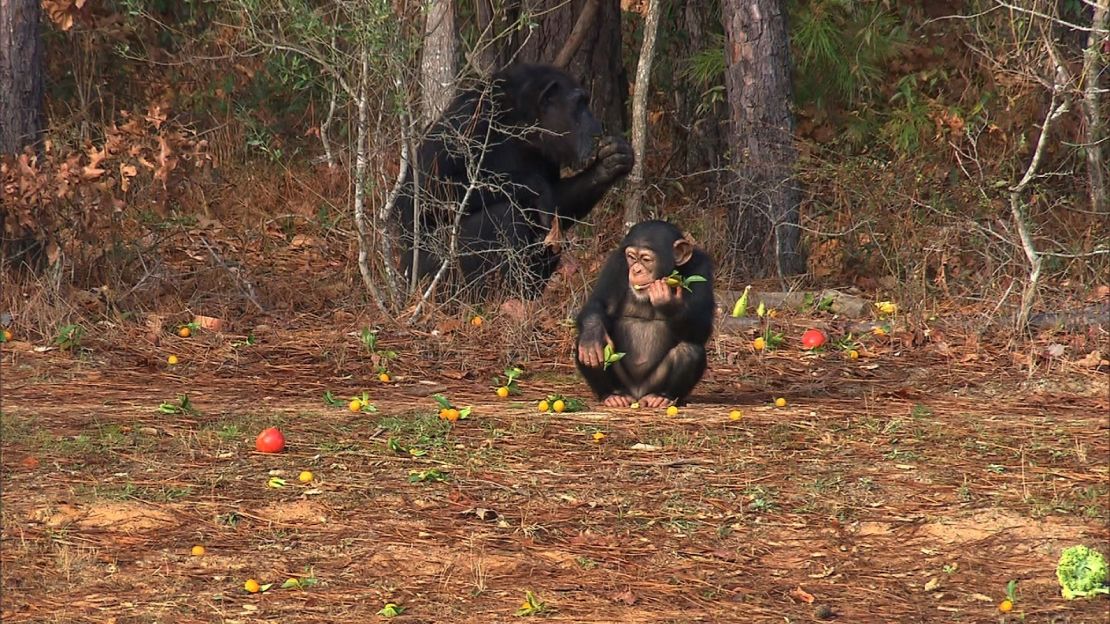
529	192
664	348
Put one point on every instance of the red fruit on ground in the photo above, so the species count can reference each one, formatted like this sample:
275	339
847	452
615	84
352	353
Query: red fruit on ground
270	441
813	338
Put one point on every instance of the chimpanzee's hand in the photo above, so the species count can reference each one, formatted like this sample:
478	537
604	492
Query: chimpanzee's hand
591	346
614	159
664	297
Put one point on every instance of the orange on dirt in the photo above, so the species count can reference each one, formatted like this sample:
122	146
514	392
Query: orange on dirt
735	415
503	391
542	406
383	377
759	344
476	321
171	360
184	332
452	414
355	405
598	437
853	355
1006	606
7	336
780	402
672	410
559	406
879	331
305	476
252	586
198	551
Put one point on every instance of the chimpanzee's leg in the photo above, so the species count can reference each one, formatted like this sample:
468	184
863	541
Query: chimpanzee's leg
674	377
604	383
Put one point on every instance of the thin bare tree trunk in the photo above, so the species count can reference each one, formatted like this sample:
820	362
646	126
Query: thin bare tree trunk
634	199
361	139
1093	67
438	64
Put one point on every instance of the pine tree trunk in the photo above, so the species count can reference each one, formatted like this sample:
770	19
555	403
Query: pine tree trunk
21	81
764	220
702	123
597	60
1093	66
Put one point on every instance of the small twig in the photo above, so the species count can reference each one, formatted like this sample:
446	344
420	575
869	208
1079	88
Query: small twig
577	34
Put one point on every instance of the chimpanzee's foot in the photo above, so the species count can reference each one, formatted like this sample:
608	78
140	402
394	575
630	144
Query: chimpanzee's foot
655	400
618	400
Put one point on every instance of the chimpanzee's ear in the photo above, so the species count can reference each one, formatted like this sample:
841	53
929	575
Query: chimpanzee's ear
683	251
548	93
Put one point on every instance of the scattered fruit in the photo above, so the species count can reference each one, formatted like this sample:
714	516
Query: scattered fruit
383	377
184	332
270	441
672	410
886	307
252	586
476	321
813	338
598	437
172	360
879	331
759	343
452	415
635	405
7	336
1006	606
198	551
780	402
355	405
503	391
558	406
853	355
542	406
735	415
305	476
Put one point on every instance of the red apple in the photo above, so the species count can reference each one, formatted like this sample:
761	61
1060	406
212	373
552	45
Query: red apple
270	441
813	338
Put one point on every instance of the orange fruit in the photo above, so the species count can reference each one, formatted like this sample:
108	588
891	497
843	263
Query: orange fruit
780	402
355	405
7	336
558	406
305	476
476	321
503	391
879	331
252	586
853	355
1006	606
452	414
198	550
759	344
672	410
735	415
383	377
443	413
598	437
542	406
171	360
184	332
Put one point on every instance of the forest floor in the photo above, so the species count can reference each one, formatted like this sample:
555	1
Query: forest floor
910	485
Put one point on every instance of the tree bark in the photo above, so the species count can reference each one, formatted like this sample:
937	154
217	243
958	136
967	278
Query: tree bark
21	80
634	197
1093	66
596	62
703	132
438	62
765	218
498	40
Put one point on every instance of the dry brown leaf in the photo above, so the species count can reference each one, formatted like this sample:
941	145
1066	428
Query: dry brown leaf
800	594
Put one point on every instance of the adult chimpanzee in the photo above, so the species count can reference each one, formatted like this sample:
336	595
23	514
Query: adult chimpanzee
661	328
496	154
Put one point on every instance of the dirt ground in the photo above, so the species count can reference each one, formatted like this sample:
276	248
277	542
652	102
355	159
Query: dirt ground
910	485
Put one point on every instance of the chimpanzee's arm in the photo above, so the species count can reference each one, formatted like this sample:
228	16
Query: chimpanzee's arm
692	317
576	196
612	285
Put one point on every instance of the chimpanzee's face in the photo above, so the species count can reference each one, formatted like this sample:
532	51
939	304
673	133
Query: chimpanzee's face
645	265
569	128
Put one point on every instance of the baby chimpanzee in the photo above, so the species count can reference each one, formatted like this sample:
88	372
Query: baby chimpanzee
660	321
